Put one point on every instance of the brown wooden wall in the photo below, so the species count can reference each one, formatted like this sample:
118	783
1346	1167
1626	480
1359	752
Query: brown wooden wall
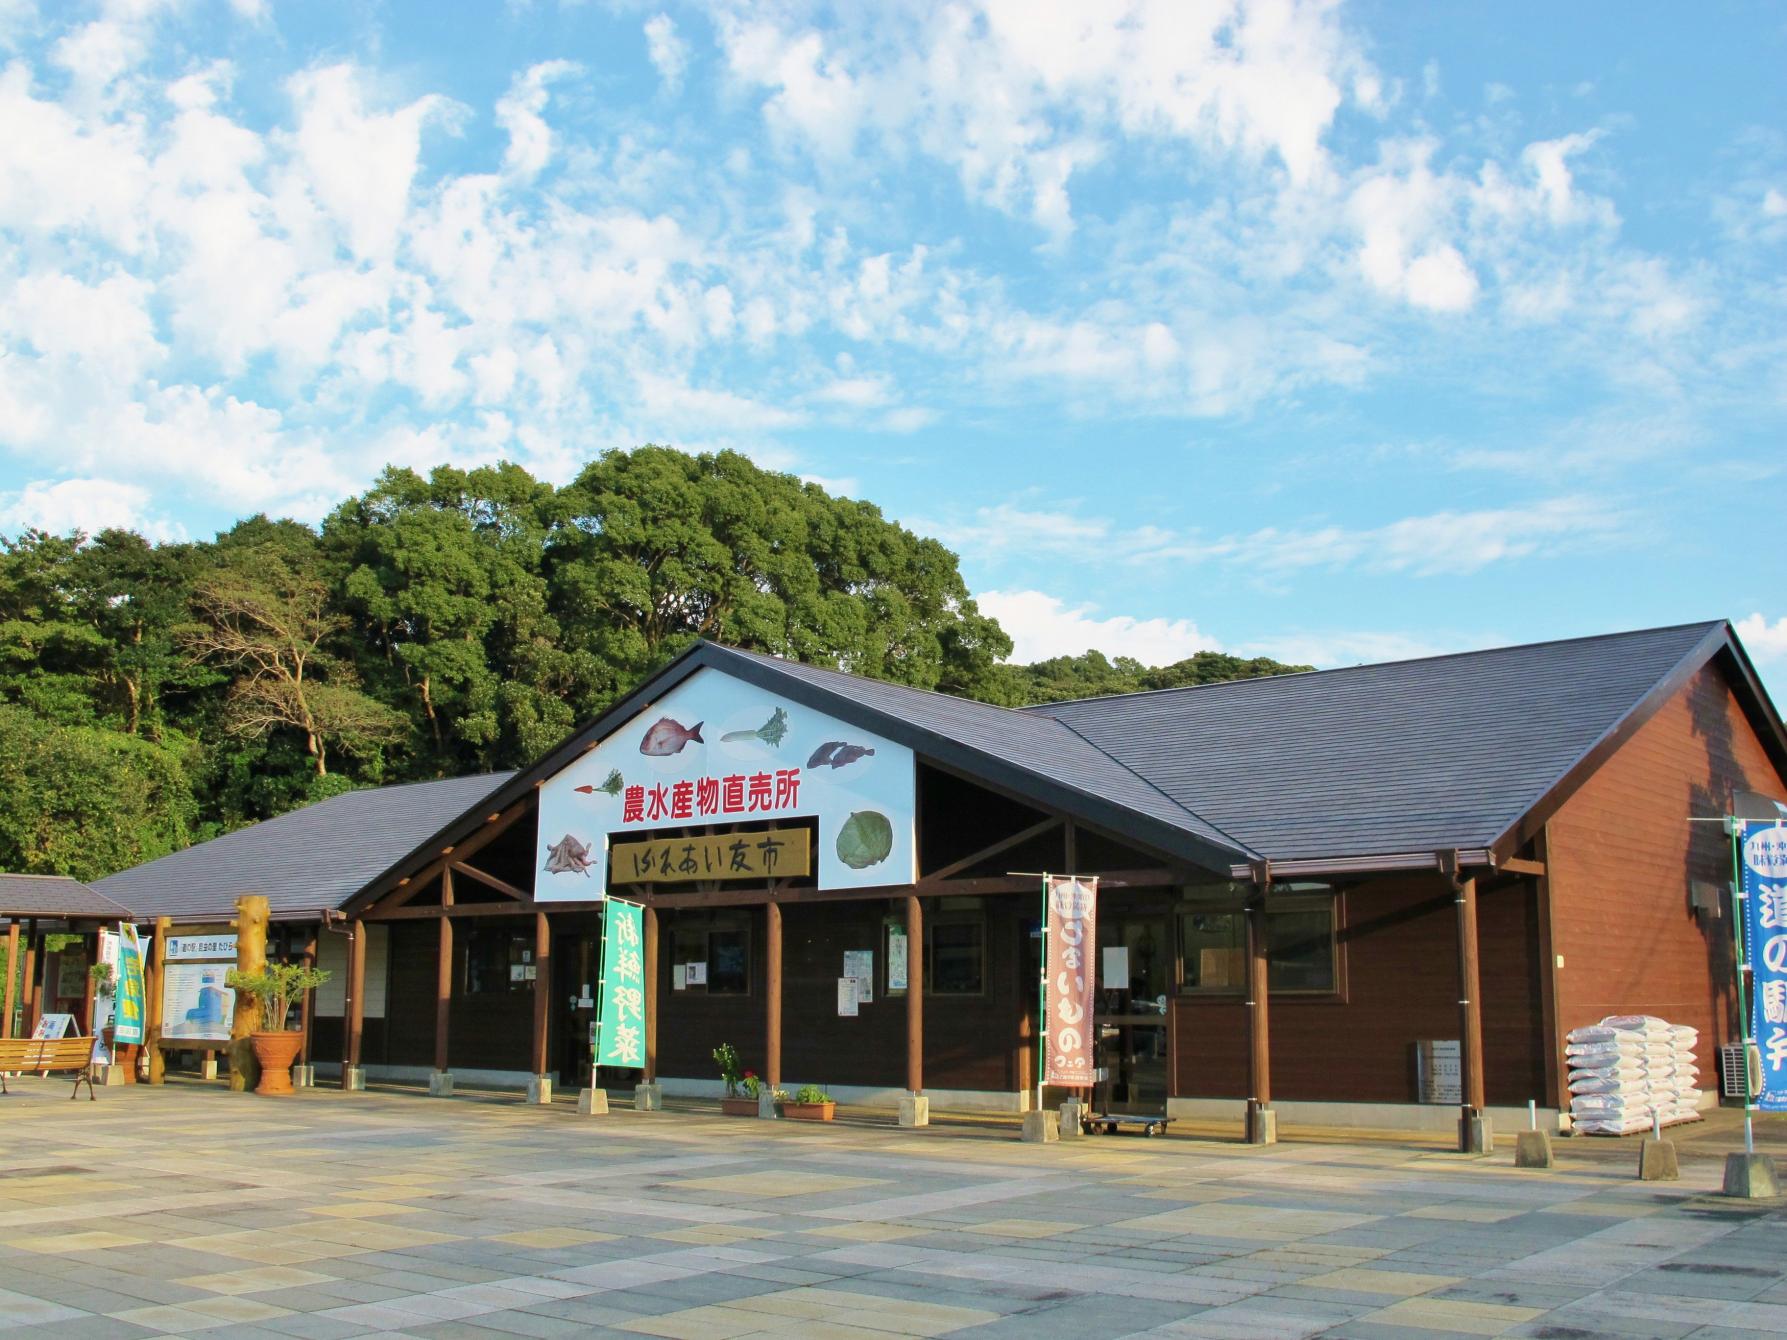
1399	953
1624	856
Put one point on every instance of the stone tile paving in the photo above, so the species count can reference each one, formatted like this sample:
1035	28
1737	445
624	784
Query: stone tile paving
186	1209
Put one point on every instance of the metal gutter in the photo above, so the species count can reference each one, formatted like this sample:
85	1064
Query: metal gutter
1362	865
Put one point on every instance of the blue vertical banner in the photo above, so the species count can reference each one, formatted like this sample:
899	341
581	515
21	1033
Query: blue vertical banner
131	996
620	1034
1764	848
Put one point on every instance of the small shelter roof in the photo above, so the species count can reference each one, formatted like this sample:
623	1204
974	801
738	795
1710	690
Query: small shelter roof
55	897
303	862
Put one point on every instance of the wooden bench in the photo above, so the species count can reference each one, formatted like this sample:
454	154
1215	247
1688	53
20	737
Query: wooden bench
47	1054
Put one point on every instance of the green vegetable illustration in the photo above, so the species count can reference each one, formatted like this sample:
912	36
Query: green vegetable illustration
865	839
770	732
612	784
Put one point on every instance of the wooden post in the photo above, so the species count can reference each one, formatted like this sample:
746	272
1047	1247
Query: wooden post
88	990
443	975
542	989
29	977
307	1006
1470	1013
158	960
915	995
251	956
355	1022
772	990
12	976
1550	1031
1260	1123
650	917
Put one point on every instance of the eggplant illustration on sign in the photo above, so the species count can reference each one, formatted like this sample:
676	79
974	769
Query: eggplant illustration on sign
866	839
770	732
568	856
612	784
838	754
667	737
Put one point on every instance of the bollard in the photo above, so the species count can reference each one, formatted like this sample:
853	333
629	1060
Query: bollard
1073	1113
1656	1156
1751	1177
592	1103
1042	1127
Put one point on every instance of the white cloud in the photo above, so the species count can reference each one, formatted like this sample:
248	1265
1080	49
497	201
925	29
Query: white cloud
518	113
1765	641
1774	204
669	53
86	505
1042	626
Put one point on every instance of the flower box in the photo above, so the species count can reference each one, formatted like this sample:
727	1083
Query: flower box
809	1111
738	1107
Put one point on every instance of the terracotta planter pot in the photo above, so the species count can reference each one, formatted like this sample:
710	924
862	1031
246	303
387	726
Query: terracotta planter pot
738	1107
809	1111
275	1052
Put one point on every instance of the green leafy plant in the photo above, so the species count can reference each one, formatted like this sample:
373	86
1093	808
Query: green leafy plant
726	1057
865	839
770	732
811	1093
276	986
102	977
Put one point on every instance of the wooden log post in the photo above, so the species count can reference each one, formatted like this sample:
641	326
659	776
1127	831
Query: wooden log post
915	996
772	991
650	917
12	977
440	1084
158	964
28	977
540	1087
1262	1121
1472	1129
251	956
355	1024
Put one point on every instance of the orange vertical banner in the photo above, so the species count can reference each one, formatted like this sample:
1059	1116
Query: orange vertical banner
1070	982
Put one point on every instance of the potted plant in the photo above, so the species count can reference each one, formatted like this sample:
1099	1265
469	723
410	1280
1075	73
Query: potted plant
276	986
810	1103
741	1085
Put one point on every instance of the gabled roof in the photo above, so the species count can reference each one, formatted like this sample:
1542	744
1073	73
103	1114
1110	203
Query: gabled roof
305	861
1408	757
55	896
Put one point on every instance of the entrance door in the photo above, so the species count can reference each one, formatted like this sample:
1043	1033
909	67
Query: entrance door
576	959
1135	961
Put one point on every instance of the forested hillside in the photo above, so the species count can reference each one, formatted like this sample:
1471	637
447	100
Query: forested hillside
153	695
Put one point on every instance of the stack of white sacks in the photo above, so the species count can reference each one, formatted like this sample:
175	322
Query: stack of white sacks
1627	1070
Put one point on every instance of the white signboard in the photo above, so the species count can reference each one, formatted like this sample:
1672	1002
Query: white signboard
53	1026
860	964
896	958
191	947
716	750
847	997
195	1003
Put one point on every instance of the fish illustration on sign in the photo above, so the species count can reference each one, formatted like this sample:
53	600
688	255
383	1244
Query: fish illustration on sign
612	784
667	737
838	754
568	856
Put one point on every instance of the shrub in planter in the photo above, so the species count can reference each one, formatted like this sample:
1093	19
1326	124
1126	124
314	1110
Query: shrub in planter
810	1103
275	987
741	1090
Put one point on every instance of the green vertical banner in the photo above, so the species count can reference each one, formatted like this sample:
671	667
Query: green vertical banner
620	1036
128	1022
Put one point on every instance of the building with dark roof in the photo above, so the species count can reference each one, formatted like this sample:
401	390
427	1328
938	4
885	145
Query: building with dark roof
1300	877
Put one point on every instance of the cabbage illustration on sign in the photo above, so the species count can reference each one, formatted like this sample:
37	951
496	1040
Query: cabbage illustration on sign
718	751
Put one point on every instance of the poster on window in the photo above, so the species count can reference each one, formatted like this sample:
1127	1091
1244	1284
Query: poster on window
620	1038
1070	981
1764	848
716	751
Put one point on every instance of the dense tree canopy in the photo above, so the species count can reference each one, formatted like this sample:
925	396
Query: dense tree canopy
155	694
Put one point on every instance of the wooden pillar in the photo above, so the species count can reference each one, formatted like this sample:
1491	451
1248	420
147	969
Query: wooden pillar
542	989
915	995
28	977
12	977
650	917
1470	1010
251	956
307	1005
443	974
158	966
772	991
355	1022
1259	1025
1551	1033
88	988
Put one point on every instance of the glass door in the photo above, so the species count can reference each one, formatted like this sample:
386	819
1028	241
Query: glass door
577	958
1135	963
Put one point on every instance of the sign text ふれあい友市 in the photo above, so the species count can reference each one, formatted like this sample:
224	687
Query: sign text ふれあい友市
775	854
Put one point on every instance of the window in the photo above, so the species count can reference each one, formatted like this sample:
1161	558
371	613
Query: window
1302	953
711	955
955	956
498	961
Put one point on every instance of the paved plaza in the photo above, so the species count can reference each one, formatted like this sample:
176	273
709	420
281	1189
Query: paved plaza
187	1208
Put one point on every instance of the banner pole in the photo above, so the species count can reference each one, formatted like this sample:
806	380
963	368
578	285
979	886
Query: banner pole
1740	906
595	1042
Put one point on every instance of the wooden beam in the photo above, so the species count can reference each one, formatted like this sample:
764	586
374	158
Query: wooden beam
992	850
772	992
542	989
1518	865
495	826
915	995
355	1024
951	888
158	959
1470	1009
502	886
502	909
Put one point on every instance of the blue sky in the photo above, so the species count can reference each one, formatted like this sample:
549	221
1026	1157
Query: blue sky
1334	332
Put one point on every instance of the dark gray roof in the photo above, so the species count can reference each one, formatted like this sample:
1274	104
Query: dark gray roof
305	861
1411	756
54	896
1034	745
